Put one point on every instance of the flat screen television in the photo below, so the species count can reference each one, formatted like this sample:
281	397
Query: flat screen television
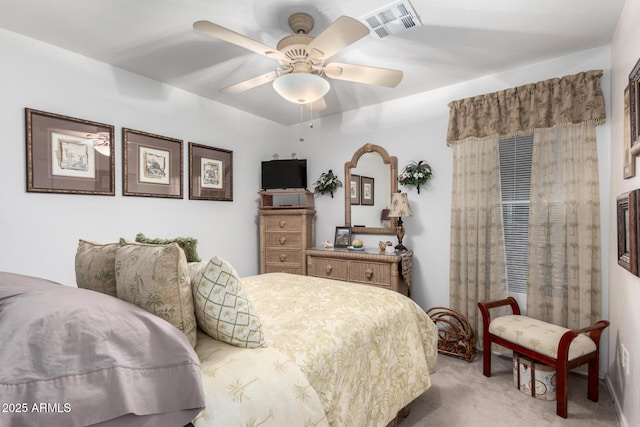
284	174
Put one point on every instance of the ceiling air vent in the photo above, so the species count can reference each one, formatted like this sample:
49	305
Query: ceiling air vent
392	19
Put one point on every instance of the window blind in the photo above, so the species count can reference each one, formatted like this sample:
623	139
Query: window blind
515	181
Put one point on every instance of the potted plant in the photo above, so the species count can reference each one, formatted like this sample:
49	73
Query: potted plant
415	173
327	183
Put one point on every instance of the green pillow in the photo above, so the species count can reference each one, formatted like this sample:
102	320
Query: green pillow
188	245
223	309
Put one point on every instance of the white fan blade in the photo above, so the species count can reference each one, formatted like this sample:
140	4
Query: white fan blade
317	105
251	83
340	34
363	74
222	33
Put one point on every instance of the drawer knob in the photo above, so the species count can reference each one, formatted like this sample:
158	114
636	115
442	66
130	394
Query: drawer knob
327	269
283	240
282	223
283	257
369	273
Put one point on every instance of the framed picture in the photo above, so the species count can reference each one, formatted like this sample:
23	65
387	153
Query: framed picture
69	155
343	237
367	191
634	108
151	165
629	160
210	173
354	188
627	219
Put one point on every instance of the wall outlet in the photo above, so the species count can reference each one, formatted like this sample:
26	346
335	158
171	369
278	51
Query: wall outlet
624	359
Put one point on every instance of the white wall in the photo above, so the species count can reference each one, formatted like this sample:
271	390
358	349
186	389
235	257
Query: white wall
39	232
624	292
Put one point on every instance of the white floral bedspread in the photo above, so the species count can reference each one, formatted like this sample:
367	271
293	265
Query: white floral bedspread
254	387
367	352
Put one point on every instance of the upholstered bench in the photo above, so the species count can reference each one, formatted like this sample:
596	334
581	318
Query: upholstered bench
561	348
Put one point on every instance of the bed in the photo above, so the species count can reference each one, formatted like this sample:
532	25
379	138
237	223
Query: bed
334	354
364	352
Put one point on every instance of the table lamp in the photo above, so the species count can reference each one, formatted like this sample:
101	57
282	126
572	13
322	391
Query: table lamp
399	209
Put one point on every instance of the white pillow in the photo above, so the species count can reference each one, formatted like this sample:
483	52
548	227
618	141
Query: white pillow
223	309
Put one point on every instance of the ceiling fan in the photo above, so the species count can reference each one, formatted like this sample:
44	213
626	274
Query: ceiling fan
304	58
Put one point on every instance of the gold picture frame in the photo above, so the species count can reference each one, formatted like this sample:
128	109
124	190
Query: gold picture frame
210	173
68	155
151	165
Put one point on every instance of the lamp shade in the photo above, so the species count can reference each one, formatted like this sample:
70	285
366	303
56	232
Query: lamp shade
400	206
301	88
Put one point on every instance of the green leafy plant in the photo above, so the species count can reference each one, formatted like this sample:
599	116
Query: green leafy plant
327	183
415	174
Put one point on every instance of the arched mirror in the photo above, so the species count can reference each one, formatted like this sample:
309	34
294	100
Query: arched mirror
370	180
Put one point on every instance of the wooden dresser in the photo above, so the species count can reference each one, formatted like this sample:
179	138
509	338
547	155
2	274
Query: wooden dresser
369	267
285	233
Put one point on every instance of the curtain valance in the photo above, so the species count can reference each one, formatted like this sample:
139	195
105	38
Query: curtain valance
517	111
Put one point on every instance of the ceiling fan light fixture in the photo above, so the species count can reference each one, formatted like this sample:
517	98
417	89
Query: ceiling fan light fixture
301	88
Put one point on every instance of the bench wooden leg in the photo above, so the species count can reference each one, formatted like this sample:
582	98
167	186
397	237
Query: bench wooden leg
562	390
486	356
592	380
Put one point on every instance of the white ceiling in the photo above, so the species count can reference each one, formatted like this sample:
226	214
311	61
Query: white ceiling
459	40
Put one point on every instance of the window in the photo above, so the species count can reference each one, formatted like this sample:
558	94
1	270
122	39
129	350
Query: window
515	181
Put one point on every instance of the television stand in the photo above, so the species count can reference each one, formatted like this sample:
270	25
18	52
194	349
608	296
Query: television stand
286	199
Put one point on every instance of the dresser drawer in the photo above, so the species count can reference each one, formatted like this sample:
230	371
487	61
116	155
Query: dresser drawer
283	223
283	240
283	269
329	268
276	256
370	273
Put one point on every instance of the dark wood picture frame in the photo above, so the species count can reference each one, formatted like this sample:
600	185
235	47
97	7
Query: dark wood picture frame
628	158
354	189
210	173
367	192
627	224
342	238
68	155
152	165
634	108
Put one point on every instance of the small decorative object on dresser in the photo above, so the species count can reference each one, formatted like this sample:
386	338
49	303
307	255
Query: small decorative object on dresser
343	237
367	267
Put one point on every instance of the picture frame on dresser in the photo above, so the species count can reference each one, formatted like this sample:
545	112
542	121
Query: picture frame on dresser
68	155
342	238
152	165
210	173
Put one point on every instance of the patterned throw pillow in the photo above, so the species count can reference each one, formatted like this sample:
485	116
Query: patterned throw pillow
156	278
222	307
95	266
188	244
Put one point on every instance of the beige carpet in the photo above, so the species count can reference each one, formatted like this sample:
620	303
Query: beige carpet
461	396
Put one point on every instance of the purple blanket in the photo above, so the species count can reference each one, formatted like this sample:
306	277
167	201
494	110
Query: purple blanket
76	357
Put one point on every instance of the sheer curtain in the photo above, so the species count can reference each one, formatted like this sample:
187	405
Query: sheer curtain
565	107
564	280
478	261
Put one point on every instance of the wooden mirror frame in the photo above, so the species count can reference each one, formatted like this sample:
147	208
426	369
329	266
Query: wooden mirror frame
392	161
